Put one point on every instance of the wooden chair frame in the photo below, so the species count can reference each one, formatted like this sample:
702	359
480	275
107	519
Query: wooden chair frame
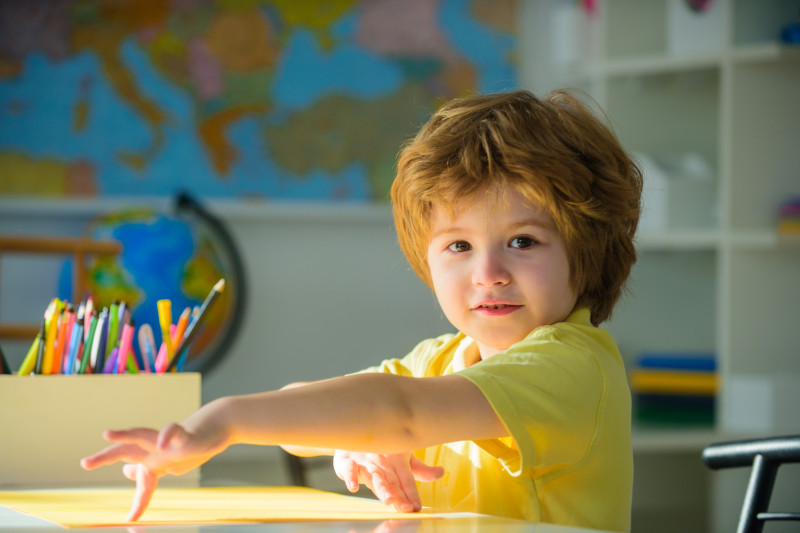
78	248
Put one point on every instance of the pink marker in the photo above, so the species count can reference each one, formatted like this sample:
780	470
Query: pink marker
87	313
125	346
161	359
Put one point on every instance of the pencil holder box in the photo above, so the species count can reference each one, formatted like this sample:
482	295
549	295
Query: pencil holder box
48	423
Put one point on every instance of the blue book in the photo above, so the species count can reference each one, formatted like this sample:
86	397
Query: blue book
697	362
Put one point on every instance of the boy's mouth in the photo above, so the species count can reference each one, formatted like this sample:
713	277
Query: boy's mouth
496	309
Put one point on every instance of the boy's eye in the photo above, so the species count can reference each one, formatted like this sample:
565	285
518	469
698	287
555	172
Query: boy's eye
522	242
460	246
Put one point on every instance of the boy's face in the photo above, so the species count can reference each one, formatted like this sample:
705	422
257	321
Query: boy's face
499	269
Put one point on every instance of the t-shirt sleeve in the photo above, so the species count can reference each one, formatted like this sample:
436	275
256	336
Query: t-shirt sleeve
420	362
549	396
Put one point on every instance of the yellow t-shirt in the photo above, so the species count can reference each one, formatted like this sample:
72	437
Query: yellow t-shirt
562	394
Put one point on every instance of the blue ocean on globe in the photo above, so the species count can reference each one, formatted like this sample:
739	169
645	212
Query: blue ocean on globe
154	264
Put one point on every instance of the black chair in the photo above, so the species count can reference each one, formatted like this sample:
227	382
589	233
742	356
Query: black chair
297	469
764	456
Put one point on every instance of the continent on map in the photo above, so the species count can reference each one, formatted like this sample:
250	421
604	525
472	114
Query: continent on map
271	99
22	175
318	17
242	41
102	28
409	32
346	131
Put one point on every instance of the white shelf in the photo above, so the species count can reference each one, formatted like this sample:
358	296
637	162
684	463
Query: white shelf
754	239
765	52
656	64
233	210
730	284
700	239
714	240
668	63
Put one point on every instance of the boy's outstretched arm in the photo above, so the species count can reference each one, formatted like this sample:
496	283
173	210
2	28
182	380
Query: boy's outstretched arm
377	413
380	413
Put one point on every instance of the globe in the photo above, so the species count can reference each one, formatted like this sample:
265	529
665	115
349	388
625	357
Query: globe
167	256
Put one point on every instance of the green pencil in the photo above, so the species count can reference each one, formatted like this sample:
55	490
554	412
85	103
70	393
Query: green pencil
87	346
113	327
5	368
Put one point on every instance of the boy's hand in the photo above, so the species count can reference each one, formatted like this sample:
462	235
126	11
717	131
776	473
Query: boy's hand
390	477
150	454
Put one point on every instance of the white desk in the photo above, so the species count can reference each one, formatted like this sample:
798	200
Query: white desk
450	523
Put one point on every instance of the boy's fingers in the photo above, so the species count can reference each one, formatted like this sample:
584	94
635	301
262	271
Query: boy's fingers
130	471
351	478
129	453
144	437
95	461
391	493
347	471
423	472
406	482
394	483
146	483
382	489
171	434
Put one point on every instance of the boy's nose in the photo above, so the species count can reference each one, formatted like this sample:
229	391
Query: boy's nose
490	269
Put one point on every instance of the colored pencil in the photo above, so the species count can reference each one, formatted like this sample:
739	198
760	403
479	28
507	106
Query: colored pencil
5	368
75	344
147	347
113	327
29	362
46	365
191	331
87	346
123	359
61	340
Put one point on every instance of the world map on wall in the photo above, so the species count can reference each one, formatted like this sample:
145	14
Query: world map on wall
280	99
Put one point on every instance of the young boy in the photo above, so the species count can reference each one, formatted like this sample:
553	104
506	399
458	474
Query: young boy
520	214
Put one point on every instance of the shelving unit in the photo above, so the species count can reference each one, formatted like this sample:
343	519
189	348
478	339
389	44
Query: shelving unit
717	276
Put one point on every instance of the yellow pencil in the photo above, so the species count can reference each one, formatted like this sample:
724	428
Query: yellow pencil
165	320
50	343
29	363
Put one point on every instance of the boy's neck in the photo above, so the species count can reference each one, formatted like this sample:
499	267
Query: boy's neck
472	354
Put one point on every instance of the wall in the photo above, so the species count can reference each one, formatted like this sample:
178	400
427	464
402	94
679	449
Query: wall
330	291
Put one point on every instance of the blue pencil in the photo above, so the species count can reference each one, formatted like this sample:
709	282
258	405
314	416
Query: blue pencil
74	343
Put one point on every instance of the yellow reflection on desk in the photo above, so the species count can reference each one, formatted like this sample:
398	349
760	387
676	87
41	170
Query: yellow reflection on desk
198	506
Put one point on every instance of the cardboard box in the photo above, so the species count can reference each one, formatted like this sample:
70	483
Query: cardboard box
48	423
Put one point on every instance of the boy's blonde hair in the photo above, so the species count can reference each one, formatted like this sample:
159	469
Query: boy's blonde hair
556	153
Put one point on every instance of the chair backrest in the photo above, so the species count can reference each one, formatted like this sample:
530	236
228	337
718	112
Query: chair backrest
78	248
764	456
